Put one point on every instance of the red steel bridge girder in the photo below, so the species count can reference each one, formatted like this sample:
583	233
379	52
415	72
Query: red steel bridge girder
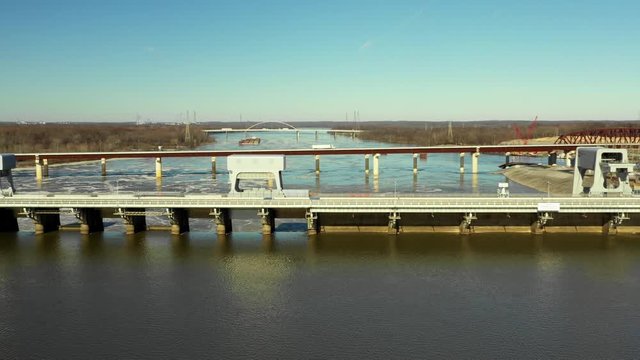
597	136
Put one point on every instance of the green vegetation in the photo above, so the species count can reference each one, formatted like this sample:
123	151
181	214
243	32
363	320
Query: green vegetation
23	138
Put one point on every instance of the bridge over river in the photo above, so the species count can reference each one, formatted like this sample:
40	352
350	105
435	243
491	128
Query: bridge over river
42	160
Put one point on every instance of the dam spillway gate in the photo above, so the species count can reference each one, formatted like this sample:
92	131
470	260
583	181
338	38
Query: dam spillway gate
328	213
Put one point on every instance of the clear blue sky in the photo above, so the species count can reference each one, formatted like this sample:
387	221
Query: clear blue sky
108	60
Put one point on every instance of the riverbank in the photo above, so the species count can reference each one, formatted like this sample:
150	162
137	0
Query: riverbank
490	132
81	137
556	181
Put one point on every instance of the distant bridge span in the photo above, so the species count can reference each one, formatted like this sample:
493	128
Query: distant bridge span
599	136
254	128
496	149
272	122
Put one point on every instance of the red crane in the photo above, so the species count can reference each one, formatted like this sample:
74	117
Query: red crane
530	130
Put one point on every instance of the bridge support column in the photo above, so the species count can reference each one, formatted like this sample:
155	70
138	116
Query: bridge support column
179	221
415	164
553	158
507	157
312	223
8	221
474	162
466	226
38	168
158	168
90	220
461	163
134	220
316	134
103	166
392	227
611	226
45	167
297	135
45	220
317	164
376	165
213	166
222	220
366	164
538	226
268	221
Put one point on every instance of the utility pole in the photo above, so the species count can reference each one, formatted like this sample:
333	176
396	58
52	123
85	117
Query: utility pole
187	132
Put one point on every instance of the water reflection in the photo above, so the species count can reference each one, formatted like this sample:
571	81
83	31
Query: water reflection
135	245
256	280
180	246
92	245
48	245
269	243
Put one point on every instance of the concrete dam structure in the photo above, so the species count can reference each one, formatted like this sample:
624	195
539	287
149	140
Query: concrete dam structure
257	189
333	214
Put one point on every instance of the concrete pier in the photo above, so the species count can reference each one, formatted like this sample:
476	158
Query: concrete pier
135	220
90	220
415	163
213	166
103	166
366	164
507	158
268	221
45	220
8	221
179	219
312	223
38	164
376	165
552	159
393	226
474	162
222	221
45	167
158	168
461	163
317	157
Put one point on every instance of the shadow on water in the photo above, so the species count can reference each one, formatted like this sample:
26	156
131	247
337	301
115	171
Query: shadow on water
135	245
291	227
516	244
352	244
579	243
207	246
181	246
9	242
48	245
93	245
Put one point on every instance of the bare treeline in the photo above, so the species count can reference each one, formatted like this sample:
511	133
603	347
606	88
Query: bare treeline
21	138
472	133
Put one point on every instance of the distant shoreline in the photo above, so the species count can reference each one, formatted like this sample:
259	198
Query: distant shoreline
43	138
